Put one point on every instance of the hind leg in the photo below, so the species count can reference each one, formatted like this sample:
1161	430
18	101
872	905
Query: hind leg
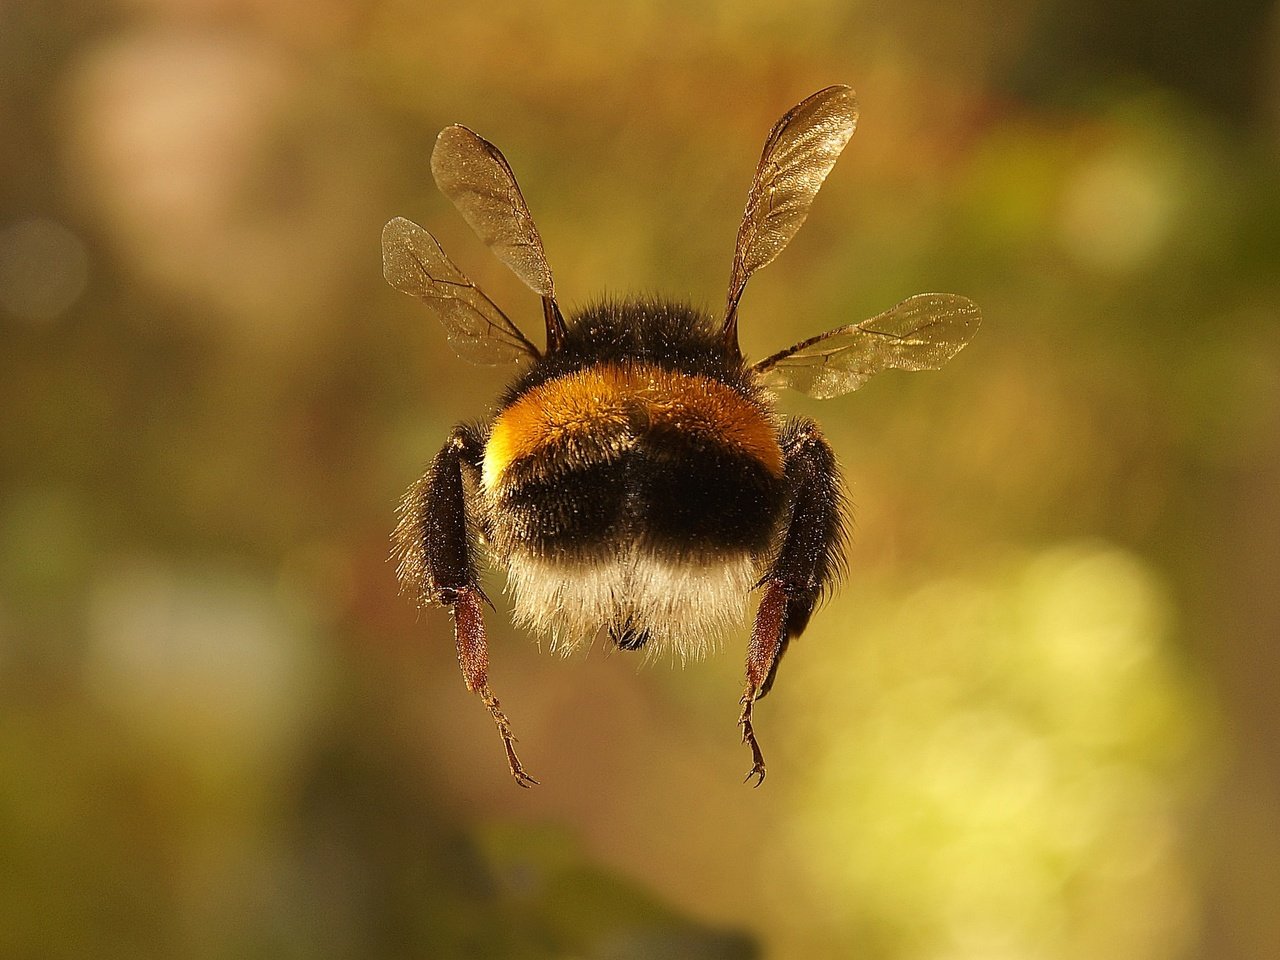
807	563
436	542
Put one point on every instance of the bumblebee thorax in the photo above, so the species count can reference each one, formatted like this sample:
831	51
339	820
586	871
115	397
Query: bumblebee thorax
598	413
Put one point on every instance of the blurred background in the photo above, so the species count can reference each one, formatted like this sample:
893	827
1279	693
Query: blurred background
1039	720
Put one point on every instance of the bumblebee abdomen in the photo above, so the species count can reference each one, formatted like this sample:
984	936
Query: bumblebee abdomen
616	455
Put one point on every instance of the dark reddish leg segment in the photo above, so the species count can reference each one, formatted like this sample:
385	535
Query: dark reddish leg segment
473	650
473	657
762	652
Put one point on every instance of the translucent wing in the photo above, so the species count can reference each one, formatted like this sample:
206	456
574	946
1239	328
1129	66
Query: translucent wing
414	263
798	154
921	333
474	174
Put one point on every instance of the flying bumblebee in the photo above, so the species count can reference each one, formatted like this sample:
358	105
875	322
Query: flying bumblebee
636	478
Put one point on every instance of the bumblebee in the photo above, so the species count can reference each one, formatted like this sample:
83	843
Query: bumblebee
635	479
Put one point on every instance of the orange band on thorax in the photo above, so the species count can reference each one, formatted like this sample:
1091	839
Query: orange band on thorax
616	403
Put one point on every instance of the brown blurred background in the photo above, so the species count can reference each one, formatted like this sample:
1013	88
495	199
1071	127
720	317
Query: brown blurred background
1040	719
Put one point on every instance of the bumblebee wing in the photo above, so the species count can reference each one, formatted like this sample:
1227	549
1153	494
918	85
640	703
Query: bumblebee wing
474	174
414	263
798	154
921	333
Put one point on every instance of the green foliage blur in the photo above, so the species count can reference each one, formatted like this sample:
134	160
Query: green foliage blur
1039	719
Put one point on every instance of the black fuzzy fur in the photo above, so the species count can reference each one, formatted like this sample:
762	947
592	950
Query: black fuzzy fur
811	556
673	336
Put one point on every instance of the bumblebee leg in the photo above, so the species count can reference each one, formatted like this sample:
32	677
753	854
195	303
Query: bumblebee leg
436	542
762	653
807	563
473	657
